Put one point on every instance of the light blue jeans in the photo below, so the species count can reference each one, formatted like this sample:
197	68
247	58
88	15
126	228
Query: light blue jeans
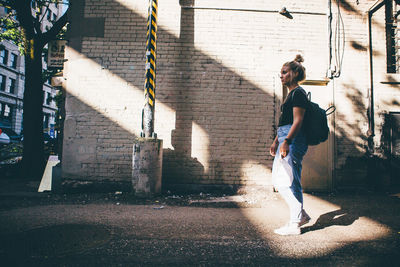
293	195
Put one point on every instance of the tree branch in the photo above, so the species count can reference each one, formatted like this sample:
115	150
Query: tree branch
36	25
57	26
24	16
44	14
7	3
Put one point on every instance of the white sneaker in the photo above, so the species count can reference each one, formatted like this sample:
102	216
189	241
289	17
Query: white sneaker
305	218
288	229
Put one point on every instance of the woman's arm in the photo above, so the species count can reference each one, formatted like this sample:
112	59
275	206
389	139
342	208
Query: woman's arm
298	116
274	147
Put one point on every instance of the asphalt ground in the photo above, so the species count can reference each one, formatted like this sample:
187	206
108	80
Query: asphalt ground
117	229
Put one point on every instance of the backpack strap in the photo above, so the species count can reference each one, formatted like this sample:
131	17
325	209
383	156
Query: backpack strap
330	110
308	95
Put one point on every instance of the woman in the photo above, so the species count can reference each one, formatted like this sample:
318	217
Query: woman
291	142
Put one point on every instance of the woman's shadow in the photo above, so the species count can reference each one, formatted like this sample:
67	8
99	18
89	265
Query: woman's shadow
337	217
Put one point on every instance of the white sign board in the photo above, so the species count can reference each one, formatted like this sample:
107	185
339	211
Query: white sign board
55	57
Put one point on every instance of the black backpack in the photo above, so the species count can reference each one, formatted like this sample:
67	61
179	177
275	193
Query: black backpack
315	123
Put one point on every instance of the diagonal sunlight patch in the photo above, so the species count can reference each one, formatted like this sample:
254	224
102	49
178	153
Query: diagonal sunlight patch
242	63
331	225
169	10
200	146
257	172
116	99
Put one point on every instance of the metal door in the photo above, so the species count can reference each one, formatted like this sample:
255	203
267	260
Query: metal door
318	162
395	148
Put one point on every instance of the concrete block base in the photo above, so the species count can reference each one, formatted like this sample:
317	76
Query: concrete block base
147	166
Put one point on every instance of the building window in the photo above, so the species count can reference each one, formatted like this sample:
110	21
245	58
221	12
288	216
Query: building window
11	86
46	120
5	113
49	13
392	27
13	60
48	99
3	55
2	82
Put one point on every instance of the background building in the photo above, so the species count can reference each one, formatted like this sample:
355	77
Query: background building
11	86
218	88
12	82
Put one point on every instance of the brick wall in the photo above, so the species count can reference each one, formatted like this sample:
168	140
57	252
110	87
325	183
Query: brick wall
217	85
352	95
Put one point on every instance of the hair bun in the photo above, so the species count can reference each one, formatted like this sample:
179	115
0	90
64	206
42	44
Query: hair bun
299	59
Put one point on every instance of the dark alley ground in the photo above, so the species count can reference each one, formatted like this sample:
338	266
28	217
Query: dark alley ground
117	229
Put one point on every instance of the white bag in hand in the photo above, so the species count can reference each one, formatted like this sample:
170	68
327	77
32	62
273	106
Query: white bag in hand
282	173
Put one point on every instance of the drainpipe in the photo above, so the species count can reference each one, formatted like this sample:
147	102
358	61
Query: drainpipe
329	15
371	112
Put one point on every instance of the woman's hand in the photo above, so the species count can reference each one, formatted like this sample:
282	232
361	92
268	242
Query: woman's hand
298	116
273	148
284	150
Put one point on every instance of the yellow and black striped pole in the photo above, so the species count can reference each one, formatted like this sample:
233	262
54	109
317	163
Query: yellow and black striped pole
150	83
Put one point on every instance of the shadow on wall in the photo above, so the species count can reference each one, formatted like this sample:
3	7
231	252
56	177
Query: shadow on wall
228	119
92	140
234	120
354	167
348	7
229	145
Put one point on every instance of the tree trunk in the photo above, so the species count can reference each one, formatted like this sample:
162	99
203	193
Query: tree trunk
33	160
34	39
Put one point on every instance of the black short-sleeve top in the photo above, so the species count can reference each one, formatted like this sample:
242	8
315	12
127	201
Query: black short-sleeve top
296	98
